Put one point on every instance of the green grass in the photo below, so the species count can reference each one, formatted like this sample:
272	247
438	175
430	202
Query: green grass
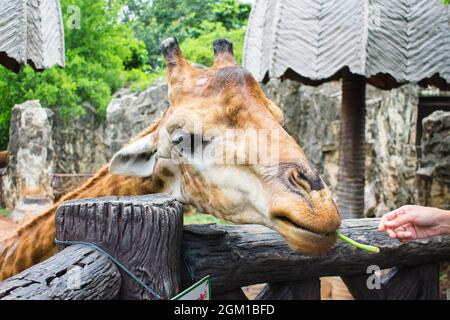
4	212
200	218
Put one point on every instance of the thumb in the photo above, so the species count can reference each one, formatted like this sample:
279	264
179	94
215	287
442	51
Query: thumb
399	221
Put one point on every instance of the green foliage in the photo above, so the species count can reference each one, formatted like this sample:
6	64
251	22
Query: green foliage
231	13
446	2
155	20
99	57
199	50
5	212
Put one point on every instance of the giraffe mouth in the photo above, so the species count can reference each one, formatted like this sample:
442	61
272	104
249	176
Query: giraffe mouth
304	239
284	221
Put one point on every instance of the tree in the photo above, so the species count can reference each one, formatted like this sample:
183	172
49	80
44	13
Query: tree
155	20
199	50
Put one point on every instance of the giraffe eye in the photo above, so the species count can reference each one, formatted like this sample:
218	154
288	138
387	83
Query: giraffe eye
177	139
187	143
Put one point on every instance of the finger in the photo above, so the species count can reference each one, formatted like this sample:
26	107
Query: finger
393	214
386	217
391	233
404	235
399	221
381	226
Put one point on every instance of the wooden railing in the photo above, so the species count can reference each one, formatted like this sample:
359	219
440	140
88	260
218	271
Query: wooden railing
146	235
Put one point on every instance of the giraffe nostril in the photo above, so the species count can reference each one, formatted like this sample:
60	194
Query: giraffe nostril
299	180
316	184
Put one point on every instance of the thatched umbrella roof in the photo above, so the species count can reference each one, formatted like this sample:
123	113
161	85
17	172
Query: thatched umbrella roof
383	42
31	31
388	42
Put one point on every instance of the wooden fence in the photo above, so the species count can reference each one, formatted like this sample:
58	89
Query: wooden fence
147	236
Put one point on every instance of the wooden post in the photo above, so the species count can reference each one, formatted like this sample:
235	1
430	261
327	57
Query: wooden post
144	233
291	291
352	146
236	294
403	283
76	273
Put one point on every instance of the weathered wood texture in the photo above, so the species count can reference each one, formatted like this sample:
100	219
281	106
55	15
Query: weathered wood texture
291	291
400	283
31	31
76	273
388	42
236	294
144	233
237	256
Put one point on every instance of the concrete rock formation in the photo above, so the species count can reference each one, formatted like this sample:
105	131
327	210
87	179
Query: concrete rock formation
312	116
434	165
78	143
129	113
27	182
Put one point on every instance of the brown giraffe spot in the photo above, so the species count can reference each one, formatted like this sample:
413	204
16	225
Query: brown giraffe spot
159	182
167	173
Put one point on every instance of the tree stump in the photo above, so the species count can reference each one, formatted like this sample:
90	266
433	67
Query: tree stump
143	233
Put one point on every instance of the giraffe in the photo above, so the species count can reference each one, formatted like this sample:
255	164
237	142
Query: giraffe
4	159
287	195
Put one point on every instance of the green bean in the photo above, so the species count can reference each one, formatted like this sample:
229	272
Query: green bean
366	247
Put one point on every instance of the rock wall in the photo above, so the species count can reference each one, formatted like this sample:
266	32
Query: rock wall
434	166
130	113
312	117
78	144
391	160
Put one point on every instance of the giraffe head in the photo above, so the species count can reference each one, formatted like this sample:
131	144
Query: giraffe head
221	147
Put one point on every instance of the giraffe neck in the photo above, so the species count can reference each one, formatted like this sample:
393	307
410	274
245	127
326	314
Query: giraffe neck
34	242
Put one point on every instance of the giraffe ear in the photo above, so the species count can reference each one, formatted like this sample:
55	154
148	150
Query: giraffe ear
137	159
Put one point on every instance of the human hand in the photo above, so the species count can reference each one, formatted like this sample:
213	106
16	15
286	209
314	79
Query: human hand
415	222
